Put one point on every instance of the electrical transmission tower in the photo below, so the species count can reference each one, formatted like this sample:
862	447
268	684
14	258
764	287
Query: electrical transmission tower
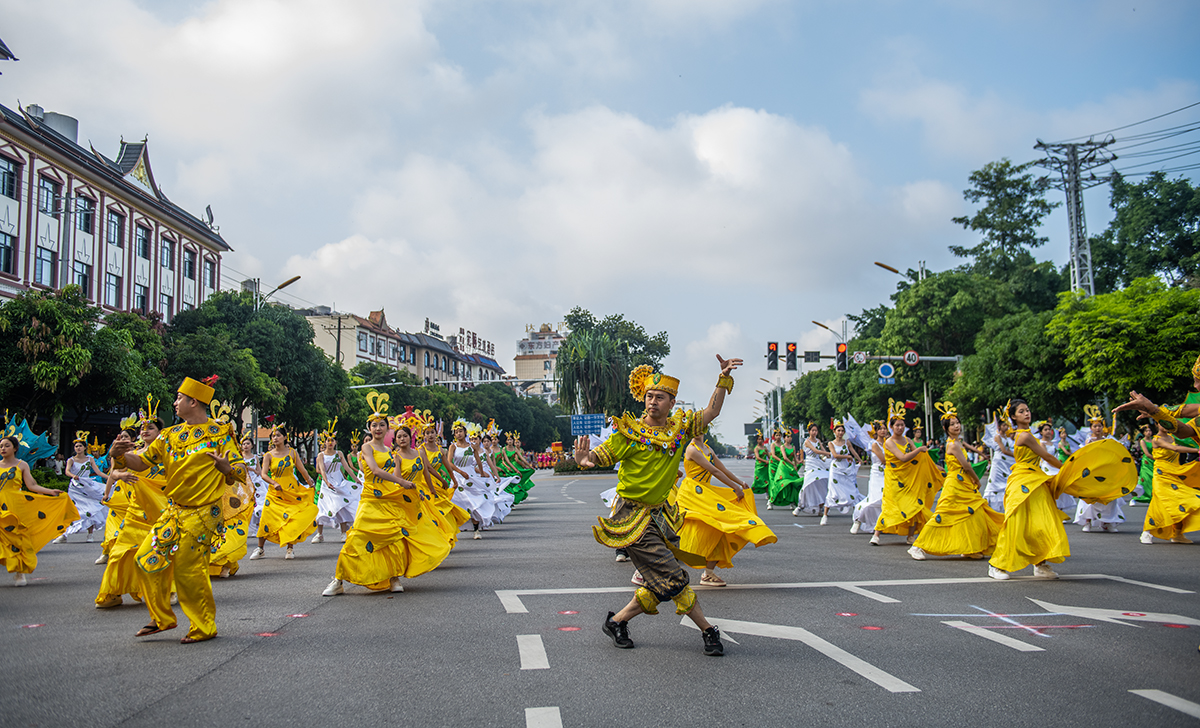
1072	162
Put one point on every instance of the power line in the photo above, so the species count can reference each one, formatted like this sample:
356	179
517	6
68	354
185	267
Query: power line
1127	126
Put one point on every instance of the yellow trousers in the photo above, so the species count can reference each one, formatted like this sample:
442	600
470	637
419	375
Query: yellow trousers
183	539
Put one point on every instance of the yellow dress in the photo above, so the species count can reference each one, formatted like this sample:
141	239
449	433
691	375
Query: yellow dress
289	515
1174	497
396	530
908	492
146	498
28	521
1033	530
963	523
716	525
118	504
453	516
237	506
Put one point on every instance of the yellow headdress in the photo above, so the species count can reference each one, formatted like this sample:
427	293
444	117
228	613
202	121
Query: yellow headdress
947	409
895	409
330	431
514	436
150	414
197	390
1002	414
474	429
82	436
1095	414
878	426
130	422
492	431
219	411
97	448
643	378
378	402
1196	368
355	438
418	422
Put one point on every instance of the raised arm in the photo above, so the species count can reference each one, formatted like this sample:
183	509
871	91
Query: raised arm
724	386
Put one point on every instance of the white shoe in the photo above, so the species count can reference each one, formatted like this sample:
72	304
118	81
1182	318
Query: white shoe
1087	527
334	588
60	539
224	572
911	538
174	598
477	536
917	553
394	585
769	507
875	539
345	536
621	558
637	578
257	553
19	580
290	554
103	559
1112	528
1146	538
997	574
856	527
1043	571
91	538
317	538
796	511
824	519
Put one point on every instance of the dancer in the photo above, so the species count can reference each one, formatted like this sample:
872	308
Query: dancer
909	478
868	510
200	458
86	491
237	509
1045	431
1175	504
816	474
1093	516
116	498
250	460
340	491
395	531
843	474
518	464
718	521
476	491
784	489
963	523
1002	462
1145	489
649	449
30	515
291	509
774	460
438	479
762	465
1033	532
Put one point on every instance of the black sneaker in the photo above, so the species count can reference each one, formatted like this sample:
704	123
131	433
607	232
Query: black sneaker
619	631
712	642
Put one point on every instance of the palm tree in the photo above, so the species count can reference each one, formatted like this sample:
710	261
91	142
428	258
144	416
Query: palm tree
592	372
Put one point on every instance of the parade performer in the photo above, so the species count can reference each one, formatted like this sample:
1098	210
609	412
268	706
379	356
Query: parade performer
338	499
816	474
1175	504
517	462
1033	532
30	515
116	498
86	491
784	489
250	460
718	521
437	478
963	523
843	474
237	509
1104	516
649	449
200	458
1145	489
1002	462
476	491
396	533
774	460
762	465
290	513
1045	431
868	510
911	481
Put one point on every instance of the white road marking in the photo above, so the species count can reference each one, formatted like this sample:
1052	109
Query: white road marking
511	598
885	680
533	652
869	594
1186	707
989	635
543	718
1117	616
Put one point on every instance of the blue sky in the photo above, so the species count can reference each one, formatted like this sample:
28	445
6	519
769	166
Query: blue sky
492	164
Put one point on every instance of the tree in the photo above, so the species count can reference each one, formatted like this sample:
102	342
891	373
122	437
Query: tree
1155	231
207	352
642	348
593	373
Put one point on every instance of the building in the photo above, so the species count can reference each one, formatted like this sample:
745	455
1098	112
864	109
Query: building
535	360
72	215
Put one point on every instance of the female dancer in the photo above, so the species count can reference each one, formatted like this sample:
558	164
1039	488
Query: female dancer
339	494
1033	532
291	508
30	514
395	531
909	478
116	498
963	522
717	521
87	492
475	491
1045	431
260	485
762	464
843	474
785	488
1175	504
816	473
518	463
1106	516
867	512
1146	466
438	478
1002	462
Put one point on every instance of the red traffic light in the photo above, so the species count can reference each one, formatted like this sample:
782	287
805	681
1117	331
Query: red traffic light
773	346
841	348
791	347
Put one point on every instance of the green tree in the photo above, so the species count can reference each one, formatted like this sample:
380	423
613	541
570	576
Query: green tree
212	351
641	347
1155	231
592	372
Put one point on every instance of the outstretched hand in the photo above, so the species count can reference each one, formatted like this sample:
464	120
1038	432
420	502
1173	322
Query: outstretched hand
728	365
1137	402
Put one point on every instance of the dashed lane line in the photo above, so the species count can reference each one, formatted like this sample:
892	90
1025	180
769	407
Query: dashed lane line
1186	707
989	635
533	652
543	718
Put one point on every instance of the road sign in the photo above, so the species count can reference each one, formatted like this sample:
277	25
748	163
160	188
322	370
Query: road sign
587	424
887	380
912	358
860	357
886	371
812	357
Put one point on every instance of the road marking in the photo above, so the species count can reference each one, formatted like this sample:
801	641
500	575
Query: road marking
885	680
1116	616
869	594
543	718
1186	707
1123	580
533	652
998	638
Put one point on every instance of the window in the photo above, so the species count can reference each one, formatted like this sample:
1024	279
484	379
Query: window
402	355
43	267
114	229
427	363
112	290
546	365
48	196
210	274
166	254
412	356
165	303
189	264
8	245
8	178
445	364
362	341
81	275
456	369
85	214
141	298
141	239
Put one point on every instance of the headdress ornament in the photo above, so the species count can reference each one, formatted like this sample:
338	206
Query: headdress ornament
492	431
947	409
82	436
276	426
130	422
355	438
643	378
418	422
895	409
1094	414
150	414
878	426
1196	368
219	411
97	448
474	429
835	423
378	402
1004	413
514	435
201	391
330	431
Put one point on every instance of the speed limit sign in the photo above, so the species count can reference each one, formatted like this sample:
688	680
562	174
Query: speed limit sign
912	358
860	357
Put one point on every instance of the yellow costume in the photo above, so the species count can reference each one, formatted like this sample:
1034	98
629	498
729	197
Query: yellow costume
396	530
147	498
964	523
118	506
452	515
1033	531
28	521
289	515
1175	497
716	525
908	492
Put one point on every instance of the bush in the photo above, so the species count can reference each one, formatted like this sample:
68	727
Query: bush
47	478
569	466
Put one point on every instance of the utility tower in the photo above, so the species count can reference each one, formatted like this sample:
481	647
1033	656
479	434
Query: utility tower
1074	163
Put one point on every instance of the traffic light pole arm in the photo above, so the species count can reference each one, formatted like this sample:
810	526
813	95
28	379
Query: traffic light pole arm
901	358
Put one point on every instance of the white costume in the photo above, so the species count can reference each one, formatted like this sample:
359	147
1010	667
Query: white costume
816	482
260	490
998	475
867	511
87	493
338	501
482	496
843	480
1108	513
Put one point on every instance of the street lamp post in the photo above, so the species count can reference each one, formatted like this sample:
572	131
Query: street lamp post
259	300
928	402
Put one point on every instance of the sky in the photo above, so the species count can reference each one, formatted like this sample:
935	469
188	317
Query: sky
723	170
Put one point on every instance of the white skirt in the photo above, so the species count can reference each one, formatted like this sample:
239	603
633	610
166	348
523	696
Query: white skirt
1107	513
338	501
868	510
843	487
87	494
484	499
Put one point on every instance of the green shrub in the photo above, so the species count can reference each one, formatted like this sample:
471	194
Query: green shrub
569	466
47	478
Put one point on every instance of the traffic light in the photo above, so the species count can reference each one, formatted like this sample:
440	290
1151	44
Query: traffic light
790	356
772	355
841	362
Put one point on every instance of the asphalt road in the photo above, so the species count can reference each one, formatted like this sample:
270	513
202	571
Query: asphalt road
821	629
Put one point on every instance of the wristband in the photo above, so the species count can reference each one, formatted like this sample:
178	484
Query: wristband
725	382
1166	419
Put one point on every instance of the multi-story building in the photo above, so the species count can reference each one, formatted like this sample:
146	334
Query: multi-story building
535	360
72	215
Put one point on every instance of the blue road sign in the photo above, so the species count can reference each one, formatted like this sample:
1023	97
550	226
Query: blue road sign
886	371
887	380
587	424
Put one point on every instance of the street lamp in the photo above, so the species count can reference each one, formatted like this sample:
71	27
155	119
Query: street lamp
260	299
920	270
841	337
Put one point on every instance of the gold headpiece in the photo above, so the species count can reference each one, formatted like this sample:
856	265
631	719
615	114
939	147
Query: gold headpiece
514	436
82	436
643	378
247	436
474	429
1003	413
491	430
219	411
330	431
1196	368
278	427
895	409
878	426
418	422
130	422
947	409
1094	413
150	414
378	402
197	390
355	438
835	423
96	448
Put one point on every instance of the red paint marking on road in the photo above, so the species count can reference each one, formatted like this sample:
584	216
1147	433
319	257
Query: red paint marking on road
1133	614
267	634
872	628
847	614
297	615
569	611
32	626
1176	626
569	629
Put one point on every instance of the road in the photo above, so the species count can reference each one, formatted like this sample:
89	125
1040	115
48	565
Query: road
821	629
